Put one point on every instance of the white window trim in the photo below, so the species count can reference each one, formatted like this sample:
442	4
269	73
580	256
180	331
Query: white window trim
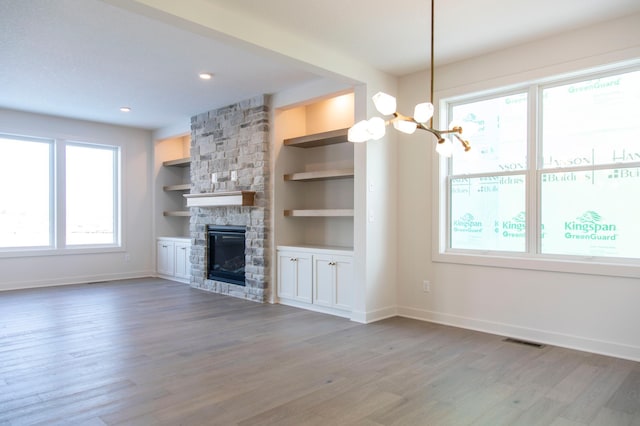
530	261
57	244
117	197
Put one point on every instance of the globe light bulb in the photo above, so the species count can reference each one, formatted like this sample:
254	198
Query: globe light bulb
385	104
376	128
423	112
469	128
444	149
403	126
359	132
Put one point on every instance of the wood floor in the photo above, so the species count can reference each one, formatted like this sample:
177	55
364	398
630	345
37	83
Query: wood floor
153	352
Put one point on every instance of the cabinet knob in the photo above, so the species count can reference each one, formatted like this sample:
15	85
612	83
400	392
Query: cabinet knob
293	259
183	248
332	263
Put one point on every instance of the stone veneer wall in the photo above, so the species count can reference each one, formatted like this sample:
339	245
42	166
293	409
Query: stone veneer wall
235	137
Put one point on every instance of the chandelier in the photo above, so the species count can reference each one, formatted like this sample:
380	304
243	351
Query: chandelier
375	127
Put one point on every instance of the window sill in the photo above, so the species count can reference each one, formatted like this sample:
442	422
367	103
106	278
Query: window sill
68	251
584	266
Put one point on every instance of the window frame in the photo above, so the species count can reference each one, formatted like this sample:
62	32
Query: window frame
116	196
532	258
57	202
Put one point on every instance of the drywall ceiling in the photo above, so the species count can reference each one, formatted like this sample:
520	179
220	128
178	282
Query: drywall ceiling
394	37
86	58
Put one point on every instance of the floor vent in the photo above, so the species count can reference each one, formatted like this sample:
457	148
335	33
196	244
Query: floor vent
524	342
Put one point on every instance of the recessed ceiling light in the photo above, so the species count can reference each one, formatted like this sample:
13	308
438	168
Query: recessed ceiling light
125	109
205	75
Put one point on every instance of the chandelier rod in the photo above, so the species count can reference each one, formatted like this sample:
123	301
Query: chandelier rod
374	128
432	71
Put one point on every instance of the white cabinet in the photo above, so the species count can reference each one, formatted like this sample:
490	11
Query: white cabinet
294	275
332	281
182	263
172	259
316	278
166	257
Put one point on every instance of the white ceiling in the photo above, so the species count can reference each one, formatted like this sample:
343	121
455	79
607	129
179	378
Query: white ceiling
86	58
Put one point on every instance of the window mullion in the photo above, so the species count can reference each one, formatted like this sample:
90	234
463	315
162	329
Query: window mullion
533	160
60	194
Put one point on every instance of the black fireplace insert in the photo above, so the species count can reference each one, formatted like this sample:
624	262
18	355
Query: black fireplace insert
226	246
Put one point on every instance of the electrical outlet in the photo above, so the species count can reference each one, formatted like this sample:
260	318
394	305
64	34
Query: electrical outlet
214	178
426	286
127	257
234	175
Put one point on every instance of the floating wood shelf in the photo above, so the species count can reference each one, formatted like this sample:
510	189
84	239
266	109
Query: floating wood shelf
319	175
180	162
319	213
179	213
180	187
319	139
213	199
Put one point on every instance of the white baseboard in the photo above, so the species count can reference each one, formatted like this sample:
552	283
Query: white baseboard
172	278
314	308
541	336
373	316
52	282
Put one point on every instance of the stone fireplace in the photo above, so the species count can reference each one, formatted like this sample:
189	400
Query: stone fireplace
232	143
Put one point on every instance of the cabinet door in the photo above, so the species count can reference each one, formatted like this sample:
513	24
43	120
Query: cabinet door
294	276
182	264
333	281
323	279
286	275
303	289
165	258
343	285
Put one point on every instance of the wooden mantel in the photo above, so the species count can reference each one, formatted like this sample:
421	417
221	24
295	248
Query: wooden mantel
213	199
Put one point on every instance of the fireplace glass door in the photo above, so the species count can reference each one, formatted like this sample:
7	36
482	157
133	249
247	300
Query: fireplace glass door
227	254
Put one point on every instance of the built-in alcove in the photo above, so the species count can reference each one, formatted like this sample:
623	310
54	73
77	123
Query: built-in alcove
172	179
314	173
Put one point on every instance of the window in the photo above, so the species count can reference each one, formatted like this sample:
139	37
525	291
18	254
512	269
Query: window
58	194
554	172
26	203
91	194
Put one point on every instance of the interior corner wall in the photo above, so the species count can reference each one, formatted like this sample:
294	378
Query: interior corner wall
135	258
593	313
376	207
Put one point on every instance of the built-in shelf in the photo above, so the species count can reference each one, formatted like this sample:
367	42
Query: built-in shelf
213	199
318	139
180	162
319	175
319	213
178	213
180	187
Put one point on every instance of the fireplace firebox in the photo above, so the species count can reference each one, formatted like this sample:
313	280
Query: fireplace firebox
226	246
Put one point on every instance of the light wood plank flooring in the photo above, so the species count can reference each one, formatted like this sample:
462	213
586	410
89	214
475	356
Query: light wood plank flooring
154	352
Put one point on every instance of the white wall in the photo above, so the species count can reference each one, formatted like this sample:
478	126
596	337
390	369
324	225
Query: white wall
35	271
594	313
